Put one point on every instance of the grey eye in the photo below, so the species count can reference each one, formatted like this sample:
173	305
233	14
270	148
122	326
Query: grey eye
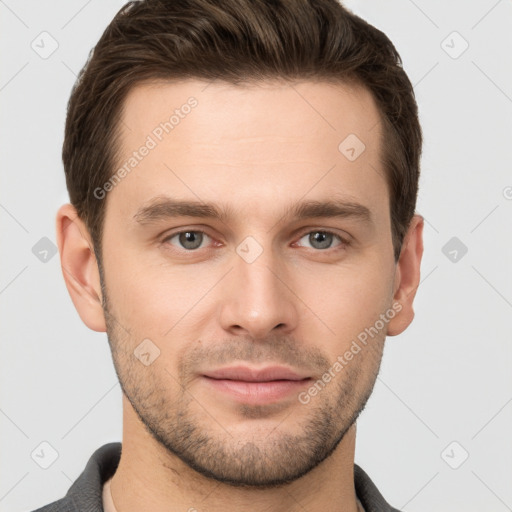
320	239
189	240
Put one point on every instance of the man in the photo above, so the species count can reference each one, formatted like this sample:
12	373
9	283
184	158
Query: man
243	178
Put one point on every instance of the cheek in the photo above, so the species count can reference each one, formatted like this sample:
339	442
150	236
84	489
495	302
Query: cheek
150	299
348	299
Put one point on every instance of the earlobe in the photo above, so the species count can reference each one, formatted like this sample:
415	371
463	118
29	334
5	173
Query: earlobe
407	277
79	267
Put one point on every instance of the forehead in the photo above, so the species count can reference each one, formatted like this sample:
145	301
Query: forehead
248	144
295	109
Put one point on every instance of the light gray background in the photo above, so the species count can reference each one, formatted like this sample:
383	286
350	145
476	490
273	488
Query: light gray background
446	379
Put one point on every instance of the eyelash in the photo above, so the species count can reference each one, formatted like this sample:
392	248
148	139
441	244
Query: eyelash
344	243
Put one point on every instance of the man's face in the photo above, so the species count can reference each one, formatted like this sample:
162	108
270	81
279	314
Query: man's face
258	287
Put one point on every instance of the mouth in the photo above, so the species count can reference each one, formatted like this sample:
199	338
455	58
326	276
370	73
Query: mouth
256	386
247	374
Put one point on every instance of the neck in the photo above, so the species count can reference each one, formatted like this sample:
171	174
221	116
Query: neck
151	478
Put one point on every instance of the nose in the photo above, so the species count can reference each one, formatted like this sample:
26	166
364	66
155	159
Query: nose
258	298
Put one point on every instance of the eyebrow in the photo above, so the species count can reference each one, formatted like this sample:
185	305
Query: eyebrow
164	207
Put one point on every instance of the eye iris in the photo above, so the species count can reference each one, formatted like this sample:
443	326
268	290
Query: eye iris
191	239
325	239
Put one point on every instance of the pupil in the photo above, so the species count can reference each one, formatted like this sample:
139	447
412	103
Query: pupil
190	239
319	238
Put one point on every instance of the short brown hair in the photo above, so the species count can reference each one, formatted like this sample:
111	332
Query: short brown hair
235	41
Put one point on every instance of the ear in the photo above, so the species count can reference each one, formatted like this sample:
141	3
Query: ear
79	267
407	277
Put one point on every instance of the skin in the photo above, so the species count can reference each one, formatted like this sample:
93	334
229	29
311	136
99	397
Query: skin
257	150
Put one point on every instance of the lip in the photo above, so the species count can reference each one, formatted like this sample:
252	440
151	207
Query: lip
246	374
256	386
